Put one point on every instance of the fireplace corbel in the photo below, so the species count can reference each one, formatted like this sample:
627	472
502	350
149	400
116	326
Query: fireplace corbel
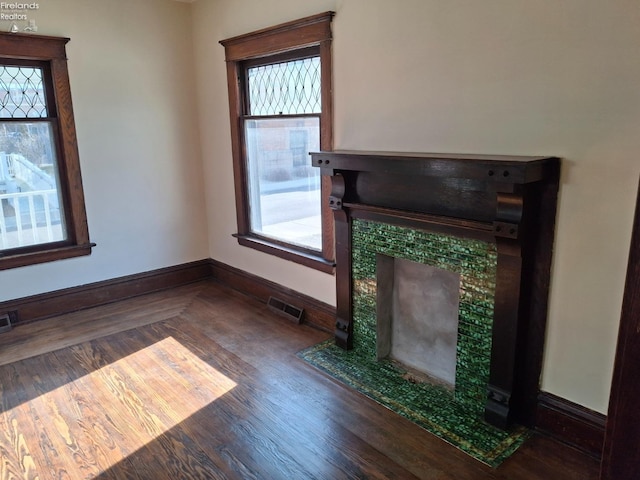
506	200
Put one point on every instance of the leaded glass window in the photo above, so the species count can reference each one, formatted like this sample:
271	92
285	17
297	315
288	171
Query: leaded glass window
280	107
31	204
42	211
21	92
282	125
285	88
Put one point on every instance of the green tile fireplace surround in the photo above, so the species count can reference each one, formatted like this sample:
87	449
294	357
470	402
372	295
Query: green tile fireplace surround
474	260
488	219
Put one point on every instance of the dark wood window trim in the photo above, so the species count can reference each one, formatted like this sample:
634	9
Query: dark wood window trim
314	31
50	52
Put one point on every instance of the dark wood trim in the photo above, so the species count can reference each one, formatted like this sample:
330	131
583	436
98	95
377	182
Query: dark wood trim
266	46
502	376
541	217
316	313
42	256
280	38
33	47
297	54
297	256
621	454
237	140
440	223
38	307
69	156
498	169
344	281
326	144
58	302
571	424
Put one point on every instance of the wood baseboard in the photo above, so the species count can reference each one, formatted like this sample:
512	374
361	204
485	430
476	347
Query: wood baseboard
38	307
316	313
572	424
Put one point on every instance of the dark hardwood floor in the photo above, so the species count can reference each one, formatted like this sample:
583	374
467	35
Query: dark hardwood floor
201	382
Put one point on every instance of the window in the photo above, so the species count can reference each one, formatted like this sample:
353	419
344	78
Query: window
42	214
281	126
281	109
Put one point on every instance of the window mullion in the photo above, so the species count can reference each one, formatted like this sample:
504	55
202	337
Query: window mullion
267	117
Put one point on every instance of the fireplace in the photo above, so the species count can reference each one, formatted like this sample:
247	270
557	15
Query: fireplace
445	259
417	309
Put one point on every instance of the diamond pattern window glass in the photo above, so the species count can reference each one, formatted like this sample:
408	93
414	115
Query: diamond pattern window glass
287	88
22	93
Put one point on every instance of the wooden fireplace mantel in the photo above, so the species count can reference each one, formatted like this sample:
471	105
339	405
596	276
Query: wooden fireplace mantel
508	200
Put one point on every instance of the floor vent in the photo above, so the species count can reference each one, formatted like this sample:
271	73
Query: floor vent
5	323
289	311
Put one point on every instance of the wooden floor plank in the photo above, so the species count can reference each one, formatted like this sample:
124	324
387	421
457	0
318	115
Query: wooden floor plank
55	333
157	370
15	456
349	409
319	451
146	415
199	382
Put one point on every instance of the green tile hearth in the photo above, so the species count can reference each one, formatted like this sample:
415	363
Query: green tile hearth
456	417
429	406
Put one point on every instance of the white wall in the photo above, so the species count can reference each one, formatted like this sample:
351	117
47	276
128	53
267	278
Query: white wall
131	73
550	77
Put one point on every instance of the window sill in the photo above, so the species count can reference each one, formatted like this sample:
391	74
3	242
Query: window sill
303	258
41	256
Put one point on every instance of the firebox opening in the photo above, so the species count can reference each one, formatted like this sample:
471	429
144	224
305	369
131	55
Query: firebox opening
417	319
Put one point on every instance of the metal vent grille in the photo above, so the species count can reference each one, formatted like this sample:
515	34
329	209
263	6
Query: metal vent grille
286	310
5	323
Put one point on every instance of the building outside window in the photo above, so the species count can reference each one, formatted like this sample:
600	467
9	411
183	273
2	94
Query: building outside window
280	110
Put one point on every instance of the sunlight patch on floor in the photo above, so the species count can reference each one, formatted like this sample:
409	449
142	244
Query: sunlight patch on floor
97	420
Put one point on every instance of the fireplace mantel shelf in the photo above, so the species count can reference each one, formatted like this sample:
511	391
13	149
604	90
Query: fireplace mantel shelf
509	201
496	168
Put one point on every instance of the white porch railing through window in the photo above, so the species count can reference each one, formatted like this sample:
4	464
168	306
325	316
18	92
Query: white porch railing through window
13	165
29	204
29	218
